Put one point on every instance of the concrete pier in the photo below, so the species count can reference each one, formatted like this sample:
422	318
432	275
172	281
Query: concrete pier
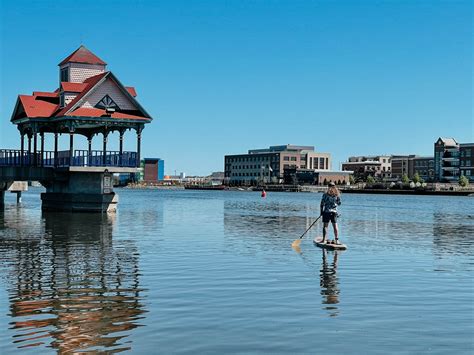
73	189
88	191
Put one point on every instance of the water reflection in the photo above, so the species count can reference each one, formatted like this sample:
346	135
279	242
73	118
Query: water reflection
453	233
71	289
329	282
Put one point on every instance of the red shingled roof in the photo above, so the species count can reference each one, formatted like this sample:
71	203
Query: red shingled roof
90	82
131	90
37	108
45	94
73	87
83	55
96	112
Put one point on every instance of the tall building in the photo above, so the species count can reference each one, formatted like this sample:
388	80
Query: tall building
153	169
269	164
446	159
466	160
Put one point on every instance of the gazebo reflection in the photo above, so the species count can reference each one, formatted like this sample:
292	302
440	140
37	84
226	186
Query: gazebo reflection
73	290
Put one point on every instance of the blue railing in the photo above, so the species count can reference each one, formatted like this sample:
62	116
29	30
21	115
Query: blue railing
12	157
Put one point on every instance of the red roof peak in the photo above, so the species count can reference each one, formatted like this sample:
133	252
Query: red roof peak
83	55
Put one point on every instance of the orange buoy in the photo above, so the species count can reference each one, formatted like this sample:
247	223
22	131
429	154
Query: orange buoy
264	194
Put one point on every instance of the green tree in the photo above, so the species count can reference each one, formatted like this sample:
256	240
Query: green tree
416	178
370	180
463	181
405	179
351	180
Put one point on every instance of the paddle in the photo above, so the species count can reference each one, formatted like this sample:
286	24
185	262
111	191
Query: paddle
297	242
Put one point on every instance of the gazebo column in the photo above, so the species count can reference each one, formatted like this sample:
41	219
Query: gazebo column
71	147
121	147
22	152
42	149
139	143
35	154
89	150
104	148
56	158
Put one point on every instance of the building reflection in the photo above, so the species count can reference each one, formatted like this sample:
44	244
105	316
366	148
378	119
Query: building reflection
71	288
453	233
329	281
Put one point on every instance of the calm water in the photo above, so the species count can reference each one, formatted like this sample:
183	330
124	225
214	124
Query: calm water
214	273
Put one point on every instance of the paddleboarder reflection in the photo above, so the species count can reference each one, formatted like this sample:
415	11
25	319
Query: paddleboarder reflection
329	282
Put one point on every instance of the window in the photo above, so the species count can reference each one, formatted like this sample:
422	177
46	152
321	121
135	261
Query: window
321	163
61	100
293	158
286	158
107	102
64	74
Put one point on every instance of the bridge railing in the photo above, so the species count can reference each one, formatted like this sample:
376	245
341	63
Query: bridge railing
13	157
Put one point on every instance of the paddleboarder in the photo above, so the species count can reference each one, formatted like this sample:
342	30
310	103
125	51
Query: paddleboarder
329	202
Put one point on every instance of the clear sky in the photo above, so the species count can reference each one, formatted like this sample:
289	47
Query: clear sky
222	77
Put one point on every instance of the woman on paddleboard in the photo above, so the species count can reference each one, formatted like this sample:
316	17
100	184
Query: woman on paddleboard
329	202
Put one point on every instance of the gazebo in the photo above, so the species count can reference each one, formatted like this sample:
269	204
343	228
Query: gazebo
89	100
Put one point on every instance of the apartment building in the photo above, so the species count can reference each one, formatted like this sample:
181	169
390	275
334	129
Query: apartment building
466	160
424	167
446	159
378	166
268	164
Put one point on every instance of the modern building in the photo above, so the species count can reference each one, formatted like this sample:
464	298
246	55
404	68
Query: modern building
153	169
466	160
424	167
378	166
446	160
268	165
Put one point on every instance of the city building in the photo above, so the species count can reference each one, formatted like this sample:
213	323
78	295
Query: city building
377	166
153	169
424	167
446	160
466	160
269	164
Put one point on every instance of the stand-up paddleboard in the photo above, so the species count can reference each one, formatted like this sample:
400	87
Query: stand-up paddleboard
326	245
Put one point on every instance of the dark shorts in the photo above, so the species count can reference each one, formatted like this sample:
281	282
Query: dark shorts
329	216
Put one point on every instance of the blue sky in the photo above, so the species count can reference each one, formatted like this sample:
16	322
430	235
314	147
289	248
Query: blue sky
222	77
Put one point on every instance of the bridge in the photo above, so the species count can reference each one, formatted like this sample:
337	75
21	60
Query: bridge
89	101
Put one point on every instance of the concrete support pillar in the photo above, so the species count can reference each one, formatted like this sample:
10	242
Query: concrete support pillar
42	149
22	153
56	158
71	147
89	191
18	197
104	149
2	198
